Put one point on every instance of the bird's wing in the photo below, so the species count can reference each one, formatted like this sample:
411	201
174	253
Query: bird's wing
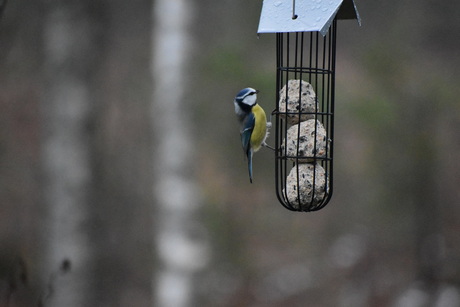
246	131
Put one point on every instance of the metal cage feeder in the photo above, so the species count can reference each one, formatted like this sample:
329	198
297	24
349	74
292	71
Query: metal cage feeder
305	95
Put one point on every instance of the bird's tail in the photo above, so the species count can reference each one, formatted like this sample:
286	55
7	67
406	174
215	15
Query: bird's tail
249	154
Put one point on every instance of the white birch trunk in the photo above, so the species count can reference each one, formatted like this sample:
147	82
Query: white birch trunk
65	159
181	248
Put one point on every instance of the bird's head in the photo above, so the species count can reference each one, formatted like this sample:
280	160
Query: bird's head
247	97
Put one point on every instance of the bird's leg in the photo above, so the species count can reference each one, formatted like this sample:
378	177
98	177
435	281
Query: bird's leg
269	125
268	146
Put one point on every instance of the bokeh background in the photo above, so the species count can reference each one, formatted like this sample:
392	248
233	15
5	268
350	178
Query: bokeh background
122	180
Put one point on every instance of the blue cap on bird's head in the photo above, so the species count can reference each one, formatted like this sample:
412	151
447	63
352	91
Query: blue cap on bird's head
247	96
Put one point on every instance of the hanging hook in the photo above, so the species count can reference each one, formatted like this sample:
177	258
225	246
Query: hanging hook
294	15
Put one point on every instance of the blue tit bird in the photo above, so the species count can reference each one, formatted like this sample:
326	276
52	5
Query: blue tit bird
253	123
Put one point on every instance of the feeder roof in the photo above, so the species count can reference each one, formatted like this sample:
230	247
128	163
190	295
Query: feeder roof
311	15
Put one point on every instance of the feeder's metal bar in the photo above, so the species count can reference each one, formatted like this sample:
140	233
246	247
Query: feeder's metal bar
311	59
279	50
296	54
305	113
299	113
309	70
312	201
293	157
279	169
329	120
285	125
333	63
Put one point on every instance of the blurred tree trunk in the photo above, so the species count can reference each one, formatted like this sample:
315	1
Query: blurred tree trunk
122	161
180	244
66	152
2	7
424	164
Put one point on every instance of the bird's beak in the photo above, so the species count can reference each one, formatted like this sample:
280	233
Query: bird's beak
257	91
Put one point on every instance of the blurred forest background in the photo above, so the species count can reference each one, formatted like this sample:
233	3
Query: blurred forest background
122	180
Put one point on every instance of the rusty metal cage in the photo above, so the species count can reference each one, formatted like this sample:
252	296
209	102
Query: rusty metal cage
304	117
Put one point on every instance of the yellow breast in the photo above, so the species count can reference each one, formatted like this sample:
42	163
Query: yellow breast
260	129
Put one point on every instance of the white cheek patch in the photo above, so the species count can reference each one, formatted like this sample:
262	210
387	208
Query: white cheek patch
250	100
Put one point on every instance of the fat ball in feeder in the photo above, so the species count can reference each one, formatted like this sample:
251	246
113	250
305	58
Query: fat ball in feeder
297	102
306	186
305	142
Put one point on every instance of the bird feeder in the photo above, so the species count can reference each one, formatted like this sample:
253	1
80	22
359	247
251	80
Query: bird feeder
305	87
